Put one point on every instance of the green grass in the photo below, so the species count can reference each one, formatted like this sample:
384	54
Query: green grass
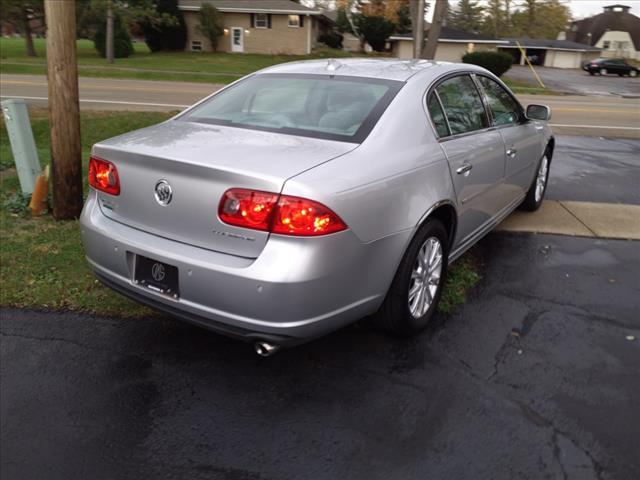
519	86
41	261
144	65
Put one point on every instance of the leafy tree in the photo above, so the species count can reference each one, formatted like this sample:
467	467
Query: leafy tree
540	19
19	14
466	17
211	24
375	30
494	20
403	21
342	22
163	26
122	45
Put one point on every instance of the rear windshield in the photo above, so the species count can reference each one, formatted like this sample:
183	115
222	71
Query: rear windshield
321	106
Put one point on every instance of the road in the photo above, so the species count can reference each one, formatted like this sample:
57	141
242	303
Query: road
577	115
538	376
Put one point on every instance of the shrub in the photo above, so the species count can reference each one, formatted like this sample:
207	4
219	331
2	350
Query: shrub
331	39
496	62
211	25
122	46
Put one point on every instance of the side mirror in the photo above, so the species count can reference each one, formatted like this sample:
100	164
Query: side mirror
538	112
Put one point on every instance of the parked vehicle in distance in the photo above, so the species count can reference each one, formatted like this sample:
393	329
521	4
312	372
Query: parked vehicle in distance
606	66
311	194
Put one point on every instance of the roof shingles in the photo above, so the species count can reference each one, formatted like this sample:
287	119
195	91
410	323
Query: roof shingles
274	6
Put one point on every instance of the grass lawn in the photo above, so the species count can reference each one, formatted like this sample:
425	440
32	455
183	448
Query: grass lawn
41	261
172	66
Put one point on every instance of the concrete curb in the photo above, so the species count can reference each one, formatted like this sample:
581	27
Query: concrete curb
582	219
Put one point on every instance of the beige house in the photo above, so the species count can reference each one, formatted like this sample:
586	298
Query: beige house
550	53
452	44
257	26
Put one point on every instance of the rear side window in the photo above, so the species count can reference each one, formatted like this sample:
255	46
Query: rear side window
462	105
504	109
437	116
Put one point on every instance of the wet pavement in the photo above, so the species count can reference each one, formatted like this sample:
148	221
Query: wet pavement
534	377
578	82
595	169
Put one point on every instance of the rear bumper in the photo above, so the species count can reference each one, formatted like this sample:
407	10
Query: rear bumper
297	289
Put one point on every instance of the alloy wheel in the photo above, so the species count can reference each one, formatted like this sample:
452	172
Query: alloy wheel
541	179
425	277
603	71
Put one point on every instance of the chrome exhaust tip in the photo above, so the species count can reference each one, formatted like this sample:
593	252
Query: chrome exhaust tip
265	349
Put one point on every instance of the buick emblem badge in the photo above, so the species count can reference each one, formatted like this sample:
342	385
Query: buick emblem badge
163	192
157	271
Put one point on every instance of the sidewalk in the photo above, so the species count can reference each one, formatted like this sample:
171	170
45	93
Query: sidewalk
581	219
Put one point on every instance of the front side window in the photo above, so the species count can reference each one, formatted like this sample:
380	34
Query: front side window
331	107
462	105
261	20
437	116
505	110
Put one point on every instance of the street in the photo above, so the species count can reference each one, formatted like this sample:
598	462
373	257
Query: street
572	115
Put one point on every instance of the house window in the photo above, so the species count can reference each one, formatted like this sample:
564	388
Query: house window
261	20
196	46
294	21
606	44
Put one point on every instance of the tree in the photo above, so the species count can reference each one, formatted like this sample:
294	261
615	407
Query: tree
493	23
211	25
375	30
20	14
439	14
342	22
540	19
122	44
161	23
466	17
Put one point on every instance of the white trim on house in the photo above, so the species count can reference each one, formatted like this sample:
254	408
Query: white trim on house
190	8
452	40
309	28
551	48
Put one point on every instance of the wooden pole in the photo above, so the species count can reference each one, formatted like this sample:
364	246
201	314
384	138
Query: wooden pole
109	34
418	29
64	110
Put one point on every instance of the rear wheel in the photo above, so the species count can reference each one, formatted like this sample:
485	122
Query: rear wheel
591	72
417	287
538	187
603	71
633	73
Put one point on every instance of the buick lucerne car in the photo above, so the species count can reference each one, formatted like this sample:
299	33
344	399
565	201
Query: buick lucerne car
309	195
606	66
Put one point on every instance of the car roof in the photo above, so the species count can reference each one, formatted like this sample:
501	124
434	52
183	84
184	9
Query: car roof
387	69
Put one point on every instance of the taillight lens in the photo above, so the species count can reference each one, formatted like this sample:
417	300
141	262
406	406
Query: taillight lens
103	176
284	214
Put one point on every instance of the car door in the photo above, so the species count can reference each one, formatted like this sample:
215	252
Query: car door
521	137
474	151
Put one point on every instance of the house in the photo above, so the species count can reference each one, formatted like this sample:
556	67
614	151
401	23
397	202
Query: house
452	44
257	26
616	31
550	53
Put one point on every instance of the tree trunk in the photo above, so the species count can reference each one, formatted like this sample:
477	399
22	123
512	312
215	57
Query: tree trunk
64	110
31	51
417	26
439	13
109	39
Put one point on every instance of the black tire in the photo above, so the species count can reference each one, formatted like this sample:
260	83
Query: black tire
591	73
530	202
395	315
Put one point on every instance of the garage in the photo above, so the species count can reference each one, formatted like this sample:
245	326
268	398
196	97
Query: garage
550	53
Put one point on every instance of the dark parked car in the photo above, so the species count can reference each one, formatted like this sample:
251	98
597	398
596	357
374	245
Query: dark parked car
605	66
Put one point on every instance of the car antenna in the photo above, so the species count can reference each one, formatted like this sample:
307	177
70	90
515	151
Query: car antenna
333	65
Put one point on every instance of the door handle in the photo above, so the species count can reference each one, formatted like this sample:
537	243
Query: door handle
512	152
464	169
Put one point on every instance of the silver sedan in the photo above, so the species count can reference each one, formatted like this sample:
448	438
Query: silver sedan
311	194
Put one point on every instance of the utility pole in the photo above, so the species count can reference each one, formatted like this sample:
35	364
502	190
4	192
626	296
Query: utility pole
110	33
418	28
434	31
64	110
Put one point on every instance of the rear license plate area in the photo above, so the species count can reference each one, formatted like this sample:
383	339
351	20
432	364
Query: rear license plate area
156	276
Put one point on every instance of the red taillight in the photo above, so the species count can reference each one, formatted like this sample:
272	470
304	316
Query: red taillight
282	214
103	176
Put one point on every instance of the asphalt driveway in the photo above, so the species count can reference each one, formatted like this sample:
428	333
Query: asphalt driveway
538	376
577	81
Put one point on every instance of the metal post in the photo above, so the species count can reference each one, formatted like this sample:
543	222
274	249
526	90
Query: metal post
23	145
109	34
